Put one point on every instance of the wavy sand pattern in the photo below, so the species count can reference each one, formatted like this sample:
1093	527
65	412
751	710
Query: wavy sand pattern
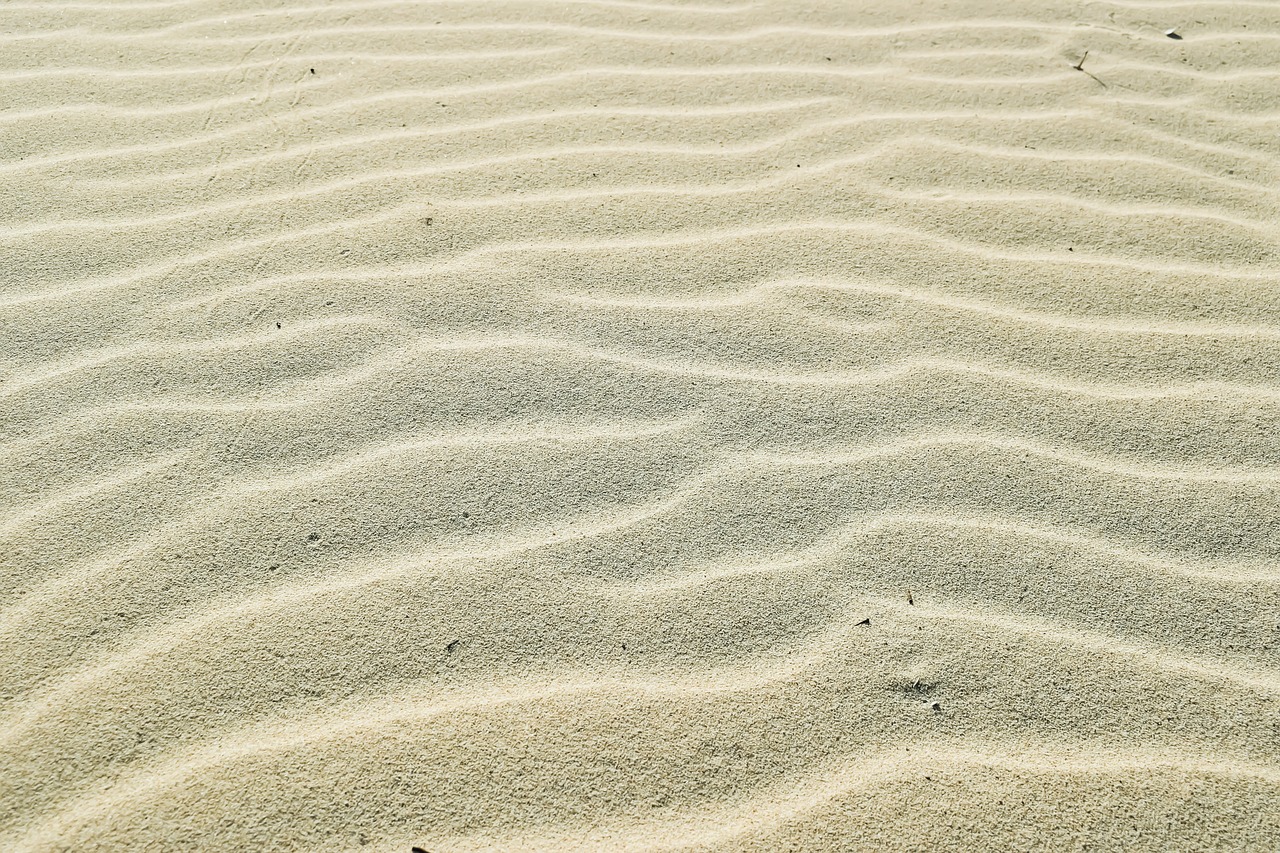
613	425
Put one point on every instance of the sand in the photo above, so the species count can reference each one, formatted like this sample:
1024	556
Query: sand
612	425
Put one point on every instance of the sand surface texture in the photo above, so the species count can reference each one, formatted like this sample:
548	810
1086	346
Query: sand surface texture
610	425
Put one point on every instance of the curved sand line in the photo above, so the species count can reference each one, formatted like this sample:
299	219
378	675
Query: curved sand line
373	714
171	265
159	639
811	172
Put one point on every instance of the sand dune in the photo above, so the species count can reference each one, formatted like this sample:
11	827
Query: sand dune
639	425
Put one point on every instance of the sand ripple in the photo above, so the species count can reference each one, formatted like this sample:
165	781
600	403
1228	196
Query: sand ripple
639	425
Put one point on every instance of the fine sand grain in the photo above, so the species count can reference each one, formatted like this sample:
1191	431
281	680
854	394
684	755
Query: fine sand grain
621	425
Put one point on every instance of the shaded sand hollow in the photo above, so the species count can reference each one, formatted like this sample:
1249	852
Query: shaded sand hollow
620	425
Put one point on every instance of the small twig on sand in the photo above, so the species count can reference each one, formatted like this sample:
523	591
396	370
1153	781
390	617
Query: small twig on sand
1079	66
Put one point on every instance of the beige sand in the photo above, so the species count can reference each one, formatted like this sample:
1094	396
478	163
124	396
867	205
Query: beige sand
639	425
